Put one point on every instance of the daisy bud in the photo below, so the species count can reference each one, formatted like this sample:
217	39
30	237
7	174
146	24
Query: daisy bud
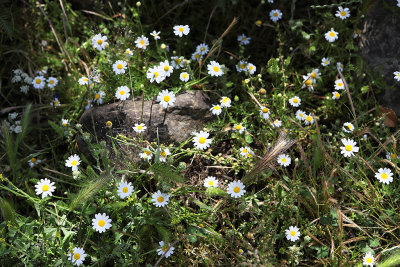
138	3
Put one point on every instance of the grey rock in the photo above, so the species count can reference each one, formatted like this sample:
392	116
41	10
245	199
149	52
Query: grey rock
174	125
379	46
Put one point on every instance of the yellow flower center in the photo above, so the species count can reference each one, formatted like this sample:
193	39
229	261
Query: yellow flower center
295	100
108	123
160	199
337	95
236	189
275	14
101	223
369	260
242	66
202	140
284	160
51	81
119	66
393	156
55	103
215	68
313	75
45	188
202	48
348	147
147	152
326	62
184	75
265	110
156	74
77	256
167	98
225	100
332	34
164	248
64	124
196	56
97	96
308	118
301	115
349	126
73	163
342	13
125	189
292	233
244	150
398	75
38	81
178	60
251	68
141	42
276	122
384	176
238	127
99	41
181	29
85	79
140	127
127	52
217	108
211	183
122	92
358	31
340	84
166	68
33	160
163	154
258	22
308	82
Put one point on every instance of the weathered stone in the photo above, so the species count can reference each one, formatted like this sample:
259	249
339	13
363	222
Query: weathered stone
379	46
174	125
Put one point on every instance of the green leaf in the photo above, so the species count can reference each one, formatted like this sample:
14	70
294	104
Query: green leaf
214	191
364	89
272	66
249	139
164	171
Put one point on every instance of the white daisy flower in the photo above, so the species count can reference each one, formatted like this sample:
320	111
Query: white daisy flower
348	127
210	181
292	233
139	128
369	259
335	95
142	42
168	69
243	39
156	35
339	66
177	62
239	128
77	256
184	76
397	75
196	56
166	98
202	49
146	154
264	112
214	69
314	75
52	82
307	82
245	151
45	187
225	102
84	81
391	156
98	97
357	33
349	147
24	89
39	82
251	68
277	123
156	74
275	15
101	222
125	189
201	140
64	122
308	119
55	103
164	154
16	79
343	13
164	249
236	189
128	53
216	109
295	101
119	67
325	61
159	199
13	116
73	161
384	175
398	3
33	161
123	93
181	30
284	160
331	35
242	66
27	78
99	42
339	84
